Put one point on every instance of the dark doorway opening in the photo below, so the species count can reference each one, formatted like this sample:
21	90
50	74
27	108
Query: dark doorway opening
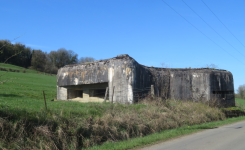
75	94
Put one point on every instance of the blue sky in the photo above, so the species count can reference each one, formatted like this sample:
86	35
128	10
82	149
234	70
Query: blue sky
148	30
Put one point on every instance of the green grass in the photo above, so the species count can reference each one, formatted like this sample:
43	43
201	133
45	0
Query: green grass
240	102
25	90
21	69
2	65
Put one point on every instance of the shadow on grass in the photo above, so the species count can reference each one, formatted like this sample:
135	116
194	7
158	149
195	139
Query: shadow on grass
207	128
10	95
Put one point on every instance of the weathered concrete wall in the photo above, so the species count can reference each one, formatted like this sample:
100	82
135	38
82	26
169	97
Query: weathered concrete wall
122	77
201	86
142	81
222	87
193	84
89	73
132	81
61	93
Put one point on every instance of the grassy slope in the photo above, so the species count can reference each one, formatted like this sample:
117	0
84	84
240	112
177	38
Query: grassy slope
7	66
25	89
24	92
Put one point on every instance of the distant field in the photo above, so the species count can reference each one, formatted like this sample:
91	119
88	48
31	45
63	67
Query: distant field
240	102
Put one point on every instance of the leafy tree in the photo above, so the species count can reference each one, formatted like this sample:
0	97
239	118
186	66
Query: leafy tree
241	91
22	53
63	57
38	60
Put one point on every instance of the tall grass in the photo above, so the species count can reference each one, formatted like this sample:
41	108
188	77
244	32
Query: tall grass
55	129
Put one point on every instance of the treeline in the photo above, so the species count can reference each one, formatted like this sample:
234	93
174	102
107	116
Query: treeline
20	55
240	92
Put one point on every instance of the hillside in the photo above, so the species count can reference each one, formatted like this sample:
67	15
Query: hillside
25	90
21	69
74	125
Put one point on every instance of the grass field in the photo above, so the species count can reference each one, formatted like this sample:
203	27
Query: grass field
240	102
22	106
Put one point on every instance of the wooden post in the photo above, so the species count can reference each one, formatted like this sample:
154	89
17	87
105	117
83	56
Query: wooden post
112	95
152	91
44	100
106	94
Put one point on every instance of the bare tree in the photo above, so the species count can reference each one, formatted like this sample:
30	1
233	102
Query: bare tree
213	66
165	65
241	91
86	59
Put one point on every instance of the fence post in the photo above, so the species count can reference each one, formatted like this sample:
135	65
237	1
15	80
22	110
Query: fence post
152	91
112	94
44	100
106	94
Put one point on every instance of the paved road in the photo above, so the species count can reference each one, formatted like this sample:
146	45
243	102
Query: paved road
229	137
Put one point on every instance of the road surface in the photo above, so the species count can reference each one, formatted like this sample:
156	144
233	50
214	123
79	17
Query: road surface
228	137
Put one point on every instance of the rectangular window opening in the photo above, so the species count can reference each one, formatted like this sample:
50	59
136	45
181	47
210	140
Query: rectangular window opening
75	94
222	92
97	93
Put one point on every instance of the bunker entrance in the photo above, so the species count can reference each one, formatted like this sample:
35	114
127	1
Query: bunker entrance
87	92
72	93
97	93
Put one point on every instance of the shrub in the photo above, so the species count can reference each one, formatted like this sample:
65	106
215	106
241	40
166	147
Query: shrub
4	69
24	71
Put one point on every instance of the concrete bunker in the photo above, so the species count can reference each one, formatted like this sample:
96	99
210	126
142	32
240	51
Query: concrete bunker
87	82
